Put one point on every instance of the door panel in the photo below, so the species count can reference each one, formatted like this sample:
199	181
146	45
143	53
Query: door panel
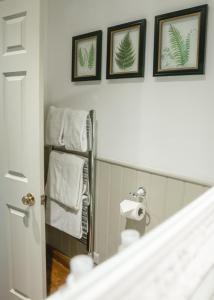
14	33
18	251
14	113
22	227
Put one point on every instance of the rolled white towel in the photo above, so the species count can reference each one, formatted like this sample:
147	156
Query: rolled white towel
55	126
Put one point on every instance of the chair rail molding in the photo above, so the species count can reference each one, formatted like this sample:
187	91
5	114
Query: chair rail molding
173	261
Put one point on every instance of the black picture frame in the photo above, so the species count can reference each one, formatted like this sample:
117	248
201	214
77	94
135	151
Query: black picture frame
202	11
141	51
97	76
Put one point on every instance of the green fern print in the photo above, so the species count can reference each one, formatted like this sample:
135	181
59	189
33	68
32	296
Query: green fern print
179	48
82	57
91	57
87	58
125	56
179	45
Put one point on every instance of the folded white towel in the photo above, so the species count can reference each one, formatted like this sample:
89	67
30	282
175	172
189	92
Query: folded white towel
75	130
65	219
55	126
66	179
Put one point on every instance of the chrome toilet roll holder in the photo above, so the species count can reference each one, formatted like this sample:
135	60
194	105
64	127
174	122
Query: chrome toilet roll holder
139	195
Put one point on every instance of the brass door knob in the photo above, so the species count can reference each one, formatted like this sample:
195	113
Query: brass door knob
28	200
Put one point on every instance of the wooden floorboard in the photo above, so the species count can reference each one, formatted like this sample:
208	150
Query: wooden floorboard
57	269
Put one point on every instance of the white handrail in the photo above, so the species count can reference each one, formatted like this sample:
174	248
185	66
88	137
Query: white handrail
174	261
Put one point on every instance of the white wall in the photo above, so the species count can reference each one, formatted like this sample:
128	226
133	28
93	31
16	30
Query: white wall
164	124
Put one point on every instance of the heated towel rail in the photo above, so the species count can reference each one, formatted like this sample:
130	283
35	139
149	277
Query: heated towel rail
90	154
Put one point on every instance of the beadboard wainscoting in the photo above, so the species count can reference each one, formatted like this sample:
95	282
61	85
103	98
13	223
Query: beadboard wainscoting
165	196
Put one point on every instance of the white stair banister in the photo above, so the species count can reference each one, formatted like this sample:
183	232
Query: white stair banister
174	261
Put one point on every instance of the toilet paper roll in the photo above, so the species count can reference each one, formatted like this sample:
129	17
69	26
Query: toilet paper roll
132	210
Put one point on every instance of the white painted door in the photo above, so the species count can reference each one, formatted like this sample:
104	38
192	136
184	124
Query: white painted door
22	255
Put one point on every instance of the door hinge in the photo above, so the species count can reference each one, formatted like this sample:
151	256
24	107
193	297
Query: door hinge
43	200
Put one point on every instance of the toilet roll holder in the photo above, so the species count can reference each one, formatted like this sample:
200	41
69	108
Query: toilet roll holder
139	195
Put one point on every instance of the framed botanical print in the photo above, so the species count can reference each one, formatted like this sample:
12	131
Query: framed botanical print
86	56
126	50
179	44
